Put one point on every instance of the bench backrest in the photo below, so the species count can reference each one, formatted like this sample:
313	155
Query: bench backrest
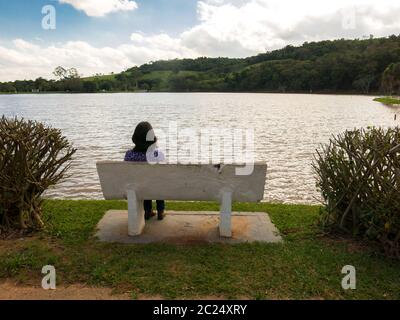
180	182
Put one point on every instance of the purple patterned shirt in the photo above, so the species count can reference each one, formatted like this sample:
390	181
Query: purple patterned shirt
136	156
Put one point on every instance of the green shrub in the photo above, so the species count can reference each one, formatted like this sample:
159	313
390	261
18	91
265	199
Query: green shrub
358	174
33	157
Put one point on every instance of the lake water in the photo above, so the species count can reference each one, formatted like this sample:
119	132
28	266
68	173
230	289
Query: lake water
288	129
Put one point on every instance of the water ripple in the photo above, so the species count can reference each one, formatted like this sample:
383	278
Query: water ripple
288	129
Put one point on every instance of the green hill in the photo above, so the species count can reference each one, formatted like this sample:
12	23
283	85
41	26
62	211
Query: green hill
354	66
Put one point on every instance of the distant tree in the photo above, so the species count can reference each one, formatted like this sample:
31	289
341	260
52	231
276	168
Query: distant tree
134	75
7	87
41	84
90	86
122	81
391	79
121	76
73	85
363	83
183	82
60	72
72	73
106	85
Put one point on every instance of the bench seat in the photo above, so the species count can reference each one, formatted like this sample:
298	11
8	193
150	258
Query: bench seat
138	181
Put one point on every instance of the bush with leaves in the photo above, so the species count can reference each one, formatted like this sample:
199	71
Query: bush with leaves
33	157
358	174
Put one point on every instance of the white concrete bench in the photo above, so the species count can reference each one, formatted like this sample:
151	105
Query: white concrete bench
138	181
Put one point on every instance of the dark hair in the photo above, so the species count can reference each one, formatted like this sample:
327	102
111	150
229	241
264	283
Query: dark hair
139	137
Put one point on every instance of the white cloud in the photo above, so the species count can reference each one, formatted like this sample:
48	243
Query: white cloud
251	26
100	8
26	60
234	28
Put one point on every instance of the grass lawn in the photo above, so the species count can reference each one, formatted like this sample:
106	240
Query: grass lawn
388	100
306	266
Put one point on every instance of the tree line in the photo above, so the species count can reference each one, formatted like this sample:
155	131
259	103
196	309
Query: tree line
354	66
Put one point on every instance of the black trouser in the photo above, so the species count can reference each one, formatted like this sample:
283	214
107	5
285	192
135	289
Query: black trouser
148	205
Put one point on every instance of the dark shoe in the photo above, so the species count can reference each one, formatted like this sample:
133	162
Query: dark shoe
149	214
161	215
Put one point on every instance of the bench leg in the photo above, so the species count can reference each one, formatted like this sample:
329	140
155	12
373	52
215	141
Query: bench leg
225	223
135	214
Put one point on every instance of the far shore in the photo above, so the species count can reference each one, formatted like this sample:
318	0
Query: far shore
372	94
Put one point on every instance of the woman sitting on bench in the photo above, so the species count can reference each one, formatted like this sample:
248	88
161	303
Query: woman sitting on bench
144	150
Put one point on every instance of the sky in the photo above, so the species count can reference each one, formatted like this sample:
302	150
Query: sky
104	36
